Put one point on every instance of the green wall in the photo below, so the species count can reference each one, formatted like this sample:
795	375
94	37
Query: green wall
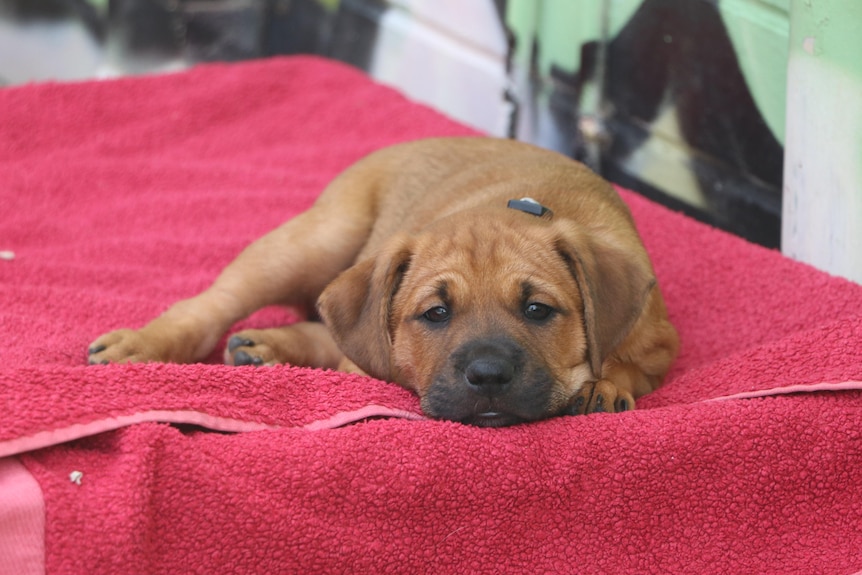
759	30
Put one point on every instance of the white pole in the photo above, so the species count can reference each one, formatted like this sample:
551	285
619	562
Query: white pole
822	202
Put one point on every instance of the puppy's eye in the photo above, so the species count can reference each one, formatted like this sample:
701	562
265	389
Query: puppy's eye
538	311
437	314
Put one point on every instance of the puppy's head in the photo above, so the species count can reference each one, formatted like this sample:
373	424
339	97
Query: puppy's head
492	318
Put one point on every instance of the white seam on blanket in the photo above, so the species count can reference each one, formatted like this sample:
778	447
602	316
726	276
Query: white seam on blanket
343	418
79	430
788	389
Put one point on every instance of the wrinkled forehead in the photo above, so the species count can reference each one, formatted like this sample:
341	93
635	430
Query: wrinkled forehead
488	259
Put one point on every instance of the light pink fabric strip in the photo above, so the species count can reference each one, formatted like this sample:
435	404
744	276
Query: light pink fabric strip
22	520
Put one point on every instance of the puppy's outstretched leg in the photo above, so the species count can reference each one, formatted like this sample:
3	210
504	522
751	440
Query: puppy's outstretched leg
291	265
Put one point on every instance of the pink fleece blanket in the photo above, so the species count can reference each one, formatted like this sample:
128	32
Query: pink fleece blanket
118	198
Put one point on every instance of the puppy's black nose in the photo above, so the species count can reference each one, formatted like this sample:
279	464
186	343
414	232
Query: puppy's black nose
488	374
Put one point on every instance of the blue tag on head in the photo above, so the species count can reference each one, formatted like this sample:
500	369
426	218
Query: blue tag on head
529	206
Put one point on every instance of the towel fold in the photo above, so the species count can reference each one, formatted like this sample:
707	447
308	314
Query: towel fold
118	198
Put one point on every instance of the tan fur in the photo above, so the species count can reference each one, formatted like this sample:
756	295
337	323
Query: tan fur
421	225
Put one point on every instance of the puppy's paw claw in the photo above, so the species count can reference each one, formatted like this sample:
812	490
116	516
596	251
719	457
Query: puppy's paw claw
623	404
236	341
243	358
94	349
599	403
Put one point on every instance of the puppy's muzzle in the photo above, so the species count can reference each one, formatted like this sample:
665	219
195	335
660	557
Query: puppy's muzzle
490	382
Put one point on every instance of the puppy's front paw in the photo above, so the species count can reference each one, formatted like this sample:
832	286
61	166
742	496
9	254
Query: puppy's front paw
601	397
302	344
123	346
249	347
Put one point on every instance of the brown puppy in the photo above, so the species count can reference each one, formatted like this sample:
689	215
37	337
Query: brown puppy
425	276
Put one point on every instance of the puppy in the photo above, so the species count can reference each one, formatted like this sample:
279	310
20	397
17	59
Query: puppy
501	282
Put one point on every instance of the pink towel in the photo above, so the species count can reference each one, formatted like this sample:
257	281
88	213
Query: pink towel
118	198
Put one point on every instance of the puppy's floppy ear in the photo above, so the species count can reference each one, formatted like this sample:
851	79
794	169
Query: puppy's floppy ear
614	277
356	307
